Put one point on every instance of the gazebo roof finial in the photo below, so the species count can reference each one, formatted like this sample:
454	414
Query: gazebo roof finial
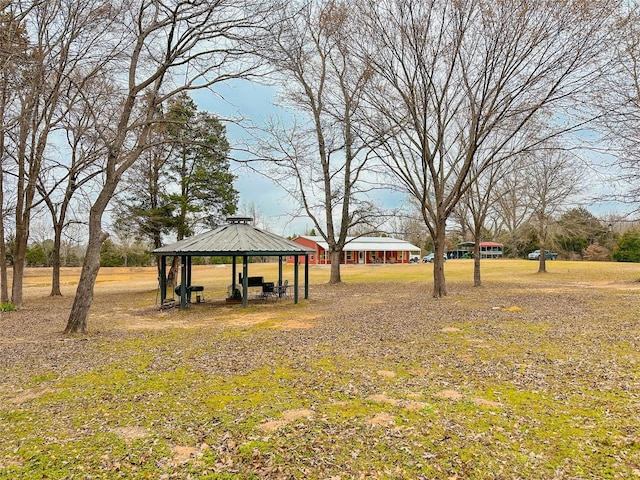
245	220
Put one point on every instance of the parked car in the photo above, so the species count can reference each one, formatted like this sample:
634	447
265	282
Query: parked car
535	255
429	258
414	259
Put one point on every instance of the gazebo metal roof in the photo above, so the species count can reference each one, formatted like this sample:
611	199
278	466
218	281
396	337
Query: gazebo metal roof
237	238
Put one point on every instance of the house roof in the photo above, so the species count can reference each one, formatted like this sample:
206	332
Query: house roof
365	244
236	238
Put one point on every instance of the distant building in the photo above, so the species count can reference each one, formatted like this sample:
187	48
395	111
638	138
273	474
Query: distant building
487	250
361	250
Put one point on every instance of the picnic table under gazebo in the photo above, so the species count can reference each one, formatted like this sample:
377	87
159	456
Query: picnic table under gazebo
238	238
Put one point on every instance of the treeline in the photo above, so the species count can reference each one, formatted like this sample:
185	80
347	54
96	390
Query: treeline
112	254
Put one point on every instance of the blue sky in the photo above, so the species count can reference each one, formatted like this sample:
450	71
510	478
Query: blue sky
254	104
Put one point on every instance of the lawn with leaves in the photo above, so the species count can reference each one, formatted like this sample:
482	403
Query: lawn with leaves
530	376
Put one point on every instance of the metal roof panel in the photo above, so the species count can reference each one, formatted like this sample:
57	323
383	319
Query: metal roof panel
234	239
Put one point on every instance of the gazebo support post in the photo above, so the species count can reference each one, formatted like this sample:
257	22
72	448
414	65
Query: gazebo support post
306	277
279	271
233	274
189	282
295	279
183	284
163	280
245	281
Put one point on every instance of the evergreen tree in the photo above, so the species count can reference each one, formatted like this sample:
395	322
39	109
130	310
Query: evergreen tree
578	229
198	166
182	183
628	248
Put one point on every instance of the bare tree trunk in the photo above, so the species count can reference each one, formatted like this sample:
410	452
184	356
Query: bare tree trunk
477	282
19	261
542	267
439	282
172	276
77	322
4	278
55	263
21	216
335	267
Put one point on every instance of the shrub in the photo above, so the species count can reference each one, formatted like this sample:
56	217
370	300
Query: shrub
596	253
7	307
628	248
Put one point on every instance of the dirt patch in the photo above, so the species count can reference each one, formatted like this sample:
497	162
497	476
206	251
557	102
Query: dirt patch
450	395
294	325
272	425
381	398
293	415
182	454
414	405
382	419
288	417
411	405
28	395
483	402
131	433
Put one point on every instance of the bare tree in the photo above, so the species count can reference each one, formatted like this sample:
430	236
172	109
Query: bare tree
552	180
322	158
479	201
62	37
13	46
60	181
163	50
512	206
619	100
455	78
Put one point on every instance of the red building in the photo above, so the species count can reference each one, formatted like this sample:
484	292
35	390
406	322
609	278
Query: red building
361	250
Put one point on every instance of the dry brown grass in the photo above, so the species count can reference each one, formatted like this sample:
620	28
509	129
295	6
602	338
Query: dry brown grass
530	376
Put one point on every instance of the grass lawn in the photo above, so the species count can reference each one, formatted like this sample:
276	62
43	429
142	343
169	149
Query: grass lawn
532	376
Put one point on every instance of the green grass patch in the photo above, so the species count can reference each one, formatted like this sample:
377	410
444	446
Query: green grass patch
7	307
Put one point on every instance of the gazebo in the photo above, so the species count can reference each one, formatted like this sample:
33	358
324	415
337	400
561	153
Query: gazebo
236	239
